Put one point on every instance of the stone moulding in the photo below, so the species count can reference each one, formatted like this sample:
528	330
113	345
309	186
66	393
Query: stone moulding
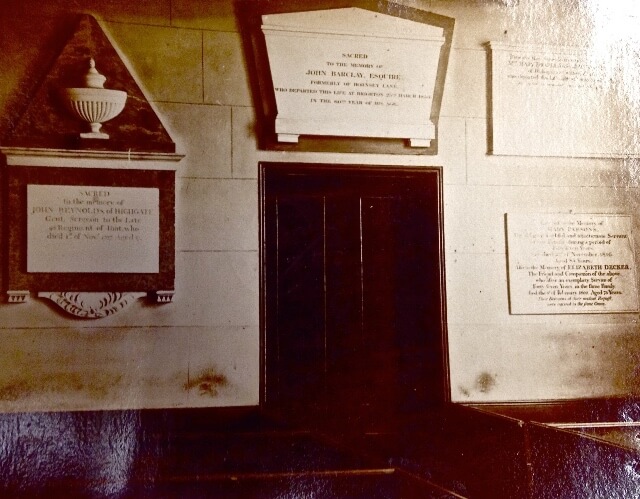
91	305
164	296
122	160
17	296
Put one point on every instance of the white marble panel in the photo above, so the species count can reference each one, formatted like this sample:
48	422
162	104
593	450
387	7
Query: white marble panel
571	263
92	229
559	101
352	72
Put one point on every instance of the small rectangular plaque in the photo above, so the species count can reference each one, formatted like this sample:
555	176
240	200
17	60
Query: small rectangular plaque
559	101
571	264
93	229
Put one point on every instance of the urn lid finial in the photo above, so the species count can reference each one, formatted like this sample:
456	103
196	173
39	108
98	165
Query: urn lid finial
93	79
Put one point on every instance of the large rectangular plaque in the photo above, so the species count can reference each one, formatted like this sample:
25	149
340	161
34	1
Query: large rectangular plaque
354	73
558	101
571	264
93	229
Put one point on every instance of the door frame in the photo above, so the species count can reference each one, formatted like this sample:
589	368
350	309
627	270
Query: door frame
293	167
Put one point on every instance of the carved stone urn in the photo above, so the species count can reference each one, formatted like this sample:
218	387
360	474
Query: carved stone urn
93	103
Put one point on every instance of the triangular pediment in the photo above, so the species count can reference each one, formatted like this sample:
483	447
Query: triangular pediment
47	123
352	21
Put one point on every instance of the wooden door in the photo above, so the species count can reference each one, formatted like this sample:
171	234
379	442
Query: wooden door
352	292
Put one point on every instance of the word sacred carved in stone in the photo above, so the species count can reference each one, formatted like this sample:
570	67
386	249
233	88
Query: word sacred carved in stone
571	264
351	72
92	229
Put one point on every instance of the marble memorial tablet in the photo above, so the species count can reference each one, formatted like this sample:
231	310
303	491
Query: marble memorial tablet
352	72
92	229
571	263
558	101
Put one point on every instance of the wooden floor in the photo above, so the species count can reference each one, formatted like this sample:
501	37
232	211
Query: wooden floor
194	454
507	451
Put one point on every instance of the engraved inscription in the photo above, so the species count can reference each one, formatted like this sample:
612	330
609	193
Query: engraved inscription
558	101
348	72
534	69
92	229
348	80
565	263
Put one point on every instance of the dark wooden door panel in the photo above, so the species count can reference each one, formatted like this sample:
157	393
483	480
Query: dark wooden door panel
300	298
352	294
344	328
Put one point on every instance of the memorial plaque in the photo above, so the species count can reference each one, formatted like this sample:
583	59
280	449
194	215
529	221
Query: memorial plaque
571	264
352	72
558	101
92	229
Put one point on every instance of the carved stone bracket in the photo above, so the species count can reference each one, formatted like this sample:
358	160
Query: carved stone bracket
91	305
164	296
17	296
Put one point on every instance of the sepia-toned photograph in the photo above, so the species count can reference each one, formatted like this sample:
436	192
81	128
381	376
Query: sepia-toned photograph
319	249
